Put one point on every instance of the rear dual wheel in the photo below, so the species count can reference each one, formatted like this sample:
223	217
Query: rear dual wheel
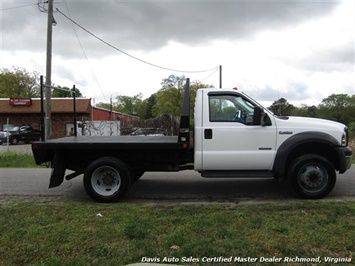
312	176
107	179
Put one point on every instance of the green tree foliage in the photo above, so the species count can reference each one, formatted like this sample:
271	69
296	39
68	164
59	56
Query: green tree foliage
65	92
19	83
305	111
169	99
127	104
132	105
282	107
146	109
338	107
351	126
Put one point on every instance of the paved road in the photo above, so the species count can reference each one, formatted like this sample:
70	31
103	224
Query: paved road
185	186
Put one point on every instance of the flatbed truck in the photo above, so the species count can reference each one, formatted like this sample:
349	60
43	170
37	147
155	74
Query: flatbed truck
232	136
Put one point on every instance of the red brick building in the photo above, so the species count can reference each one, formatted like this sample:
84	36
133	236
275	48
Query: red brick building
28	112
101	114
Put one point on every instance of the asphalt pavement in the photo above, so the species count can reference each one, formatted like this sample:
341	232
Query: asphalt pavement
185	186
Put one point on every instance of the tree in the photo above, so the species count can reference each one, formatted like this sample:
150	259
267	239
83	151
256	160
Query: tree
146	110
19	83
65	92
170	97
338	107
305	111
282	107
169	101
173	82
127	104
104	105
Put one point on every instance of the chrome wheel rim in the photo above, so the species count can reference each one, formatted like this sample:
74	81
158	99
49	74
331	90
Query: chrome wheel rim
312	178
106	180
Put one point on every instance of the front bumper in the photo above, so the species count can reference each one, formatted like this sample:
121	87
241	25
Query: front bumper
346	155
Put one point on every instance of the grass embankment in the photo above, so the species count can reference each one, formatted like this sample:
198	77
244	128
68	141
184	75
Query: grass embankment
14	160
48	232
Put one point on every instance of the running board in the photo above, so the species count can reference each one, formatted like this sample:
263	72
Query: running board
234	173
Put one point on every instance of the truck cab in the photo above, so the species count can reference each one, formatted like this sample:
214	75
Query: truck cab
234	136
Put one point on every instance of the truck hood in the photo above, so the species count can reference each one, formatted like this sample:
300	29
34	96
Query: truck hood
316	123
296	125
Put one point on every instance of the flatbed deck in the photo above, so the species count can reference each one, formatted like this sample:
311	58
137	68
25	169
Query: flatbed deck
129	146
110	142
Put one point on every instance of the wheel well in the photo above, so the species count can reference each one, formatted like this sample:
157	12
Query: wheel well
320	149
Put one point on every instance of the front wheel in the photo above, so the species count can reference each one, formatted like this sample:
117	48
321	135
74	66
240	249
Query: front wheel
14	141
312	176
107	179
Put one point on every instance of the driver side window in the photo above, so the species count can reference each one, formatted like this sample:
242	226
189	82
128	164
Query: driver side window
230	108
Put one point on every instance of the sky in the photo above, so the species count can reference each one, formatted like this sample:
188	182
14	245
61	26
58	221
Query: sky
301	50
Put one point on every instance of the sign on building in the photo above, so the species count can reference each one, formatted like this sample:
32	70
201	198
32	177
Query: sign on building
20	101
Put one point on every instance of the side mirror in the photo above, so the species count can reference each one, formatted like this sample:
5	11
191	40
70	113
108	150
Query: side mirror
257	116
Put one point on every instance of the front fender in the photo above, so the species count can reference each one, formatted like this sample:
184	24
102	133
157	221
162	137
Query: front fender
302	143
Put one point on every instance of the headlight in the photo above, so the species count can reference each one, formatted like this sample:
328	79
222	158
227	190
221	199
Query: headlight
344	138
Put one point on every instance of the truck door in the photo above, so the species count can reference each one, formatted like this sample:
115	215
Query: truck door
230	140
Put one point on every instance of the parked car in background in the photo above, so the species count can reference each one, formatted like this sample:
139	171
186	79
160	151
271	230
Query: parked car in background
20	133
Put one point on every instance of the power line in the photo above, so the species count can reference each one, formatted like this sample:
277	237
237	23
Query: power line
136	58
210	75
16	7
87	59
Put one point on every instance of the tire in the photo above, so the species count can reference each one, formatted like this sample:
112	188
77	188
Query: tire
312	176
14	141
107	179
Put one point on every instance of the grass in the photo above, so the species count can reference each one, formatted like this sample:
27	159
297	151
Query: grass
53	231
13	160
57	232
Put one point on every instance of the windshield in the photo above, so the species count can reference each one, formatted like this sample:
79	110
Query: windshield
11	128
14	128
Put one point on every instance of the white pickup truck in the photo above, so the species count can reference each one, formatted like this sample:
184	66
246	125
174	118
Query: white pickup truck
233	136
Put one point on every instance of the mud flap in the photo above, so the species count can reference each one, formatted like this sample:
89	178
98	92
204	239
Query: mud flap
58	170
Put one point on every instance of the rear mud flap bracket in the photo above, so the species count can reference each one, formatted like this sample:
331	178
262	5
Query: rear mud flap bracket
58	170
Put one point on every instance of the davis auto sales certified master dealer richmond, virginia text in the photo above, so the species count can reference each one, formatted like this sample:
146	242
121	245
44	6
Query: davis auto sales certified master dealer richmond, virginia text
235	259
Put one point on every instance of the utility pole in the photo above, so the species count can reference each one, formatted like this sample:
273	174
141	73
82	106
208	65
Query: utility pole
48	85
220	76
75	119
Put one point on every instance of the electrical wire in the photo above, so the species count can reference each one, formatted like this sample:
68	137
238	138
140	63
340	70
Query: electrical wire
87	59
209	75
16	7
41	6
127	54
